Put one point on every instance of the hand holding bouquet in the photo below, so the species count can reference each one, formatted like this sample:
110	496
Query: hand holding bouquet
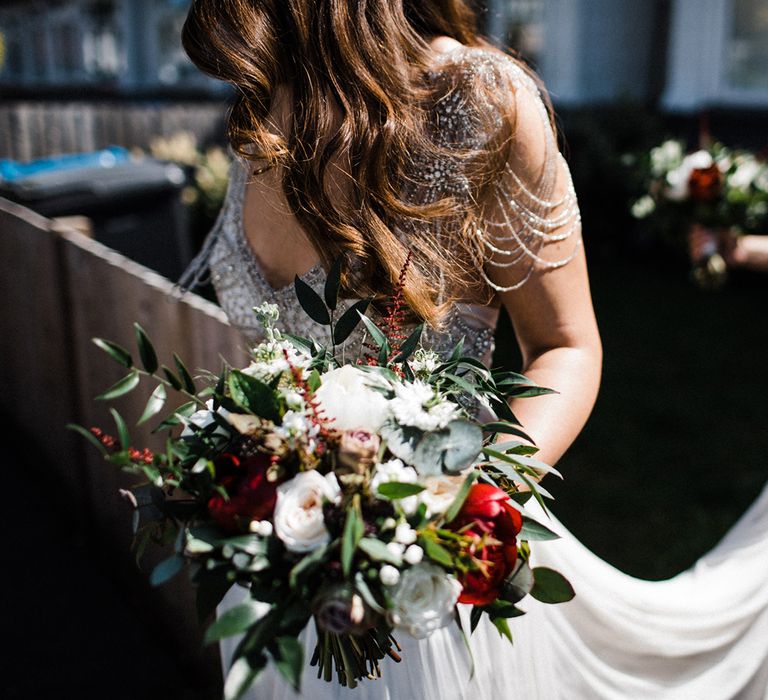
367	498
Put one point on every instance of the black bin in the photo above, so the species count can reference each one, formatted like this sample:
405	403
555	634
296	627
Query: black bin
135	208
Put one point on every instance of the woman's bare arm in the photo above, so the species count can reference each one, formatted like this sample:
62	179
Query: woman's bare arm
556	329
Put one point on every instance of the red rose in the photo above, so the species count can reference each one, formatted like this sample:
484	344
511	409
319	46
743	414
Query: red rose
487	512
705	184
251	495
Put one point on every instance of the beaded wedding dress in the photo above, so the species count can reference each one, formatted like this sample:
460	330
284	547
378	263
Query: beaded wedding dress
701	635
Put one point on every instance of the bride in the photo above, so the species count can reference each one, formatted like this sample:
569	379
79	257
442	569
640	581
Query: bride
375	129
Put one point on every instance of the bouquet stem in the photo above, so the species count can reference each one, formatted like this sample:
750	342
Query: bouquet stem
355	657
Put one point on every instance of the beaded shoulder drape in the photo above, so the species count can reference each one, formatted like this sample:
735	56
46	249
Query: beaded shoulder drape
526	214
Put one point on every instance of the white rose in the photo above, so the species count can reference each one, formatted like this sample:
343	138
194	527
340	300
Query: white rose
346	397
424	600
298	517
440	492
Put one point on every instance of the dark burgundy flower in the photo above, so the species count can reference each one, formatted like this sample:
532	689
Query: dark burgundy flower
252	495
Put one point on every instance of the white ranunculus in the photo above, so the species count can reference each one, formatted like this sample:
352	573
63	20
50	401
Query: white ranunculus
346	397
416	404
395	470
299	521
424	600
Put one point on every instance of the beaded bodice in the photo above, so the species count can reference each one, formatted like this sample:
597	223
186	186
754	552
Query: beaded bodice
526	216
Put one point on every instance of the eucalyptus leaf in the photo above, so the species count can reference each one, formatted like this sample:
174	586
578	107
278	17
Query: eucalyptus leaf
333	284
124	386
146	349
401	440
311	302
154	404
551	586
166	570
349	321
519	583
450	450
115	351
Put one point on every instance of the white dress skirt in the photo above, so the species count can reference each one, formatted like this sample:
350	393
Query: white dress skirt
702	635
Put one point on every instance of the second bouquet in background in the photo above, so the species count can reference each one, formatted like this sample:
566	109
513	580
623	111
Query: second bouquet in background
702	200
368	499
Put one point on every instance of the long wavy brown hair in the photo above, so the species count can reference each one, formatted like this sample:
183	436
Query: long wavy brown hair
368	59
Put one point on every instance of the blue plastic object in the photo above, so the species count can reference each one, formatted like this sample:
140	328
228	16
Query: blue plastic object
12	170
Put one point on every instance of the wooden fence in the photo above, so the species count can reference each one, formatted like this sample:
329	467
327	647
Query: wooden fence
31	130
59	290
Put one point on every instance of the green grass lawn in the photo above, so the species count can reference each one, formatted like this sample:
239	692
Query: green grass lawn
677	447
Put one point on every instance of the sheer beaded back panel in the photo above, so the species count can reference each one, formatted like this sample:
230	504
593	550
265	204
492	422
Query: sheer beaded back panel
525	216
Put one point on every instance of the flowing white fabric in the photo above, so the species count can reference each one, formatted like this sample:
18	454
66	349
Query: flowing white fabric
702	635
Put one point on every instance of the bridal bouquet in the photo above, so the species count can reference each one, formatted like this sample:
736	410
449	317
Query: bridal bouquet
706	194
368	499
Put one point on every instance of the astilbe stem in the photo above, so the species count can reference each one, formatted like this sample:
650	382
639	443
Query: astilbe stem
394	318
